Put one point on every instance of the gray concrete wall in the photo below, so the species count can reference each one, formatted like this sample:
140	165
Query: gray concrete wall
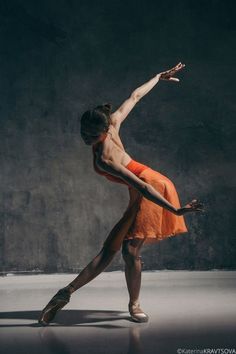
59	59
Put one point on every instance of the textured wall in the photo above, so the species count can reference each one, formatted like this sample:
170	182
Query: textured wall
59	58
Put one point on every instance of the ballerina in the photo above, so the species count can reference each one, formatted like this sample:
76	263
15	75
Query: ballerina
153	212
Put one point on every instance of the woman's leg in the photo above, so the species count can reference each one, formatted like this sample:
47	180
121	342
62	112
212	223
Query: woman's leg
94	268
111	246
133	269
133	266
62	297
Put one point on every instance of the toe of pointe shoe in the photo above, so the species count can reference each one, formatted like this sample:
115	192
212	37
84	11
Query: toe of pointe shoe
137	314
55	304
140	317
49	312
42	322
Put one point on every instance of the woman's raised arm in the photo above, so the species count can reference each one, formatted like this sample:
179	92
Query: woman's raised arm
122	112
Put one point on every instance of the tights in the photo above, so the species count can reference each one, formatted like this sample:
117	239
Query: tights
133	267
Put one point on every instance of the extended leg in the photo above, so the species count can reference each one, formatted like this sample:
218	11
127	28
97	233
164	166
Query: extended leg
62	297
94	268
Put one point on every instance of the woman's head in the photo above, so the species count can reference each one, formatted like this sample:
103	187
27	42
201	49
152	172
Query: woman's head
94	123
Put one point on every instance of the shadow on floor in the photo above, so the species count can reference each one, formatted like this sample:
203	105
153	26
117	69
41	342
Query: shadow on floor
67	317
80	331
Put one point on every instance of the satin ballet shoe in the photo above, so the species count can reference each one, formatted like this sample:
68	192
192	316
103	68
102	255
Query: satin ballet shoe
57	302
137	313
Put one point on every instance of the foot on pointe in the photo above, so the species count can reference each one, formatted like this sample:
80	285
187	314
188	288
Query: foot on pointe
137	313
58	301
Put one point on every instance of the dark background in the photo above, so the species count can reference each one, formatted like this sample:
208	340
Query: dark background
60	58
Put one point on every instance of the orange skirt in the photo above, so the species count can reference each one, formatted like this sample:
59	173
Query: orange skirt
145	219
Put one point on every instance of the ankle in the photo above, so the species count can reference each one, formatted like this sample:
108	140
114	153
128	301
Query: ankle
70	288
134	302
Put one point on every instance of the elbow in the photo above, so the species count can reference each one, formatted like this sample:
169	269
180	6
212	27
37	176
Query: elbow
144	189
140	187
135	96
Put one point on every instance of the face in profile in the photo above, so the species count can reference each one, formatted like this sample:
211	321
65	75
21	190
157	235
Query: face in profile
94	125
92	137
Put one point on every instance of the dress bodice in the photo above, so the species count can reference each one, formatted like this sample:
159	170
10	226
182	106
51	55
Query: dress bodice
133	166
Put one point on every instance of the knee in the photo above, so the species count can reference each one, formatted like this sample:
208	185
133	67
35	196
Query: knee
130	254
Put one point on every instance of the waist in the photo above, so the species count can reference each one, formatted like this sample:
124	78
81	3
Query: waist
133	166
136	167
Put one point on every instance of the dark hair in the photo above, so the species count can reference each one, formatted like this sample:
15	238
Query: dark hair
97	119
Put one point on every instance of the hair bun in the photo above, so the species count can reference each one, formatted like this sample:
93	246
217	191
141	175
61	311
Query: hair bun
107	106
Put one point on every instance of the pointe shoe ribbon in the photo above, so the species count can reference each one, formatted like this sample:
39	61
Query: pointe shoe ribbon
137	313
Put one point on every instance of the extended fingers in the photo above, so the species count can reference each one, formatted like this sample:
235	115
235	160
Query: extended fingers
197	205
177	68
169	78
168	74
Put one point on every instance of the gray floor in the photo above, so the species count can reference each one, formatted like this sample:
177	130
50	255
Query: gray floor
188	310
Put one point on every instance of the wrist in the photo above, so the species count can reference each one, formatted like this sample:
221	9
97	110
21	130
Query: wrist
173	210
176	211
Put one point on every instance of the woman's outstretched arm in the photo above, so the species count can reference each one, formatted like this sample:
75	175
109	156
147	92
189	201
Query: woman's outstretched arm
165	75
146	189
122	112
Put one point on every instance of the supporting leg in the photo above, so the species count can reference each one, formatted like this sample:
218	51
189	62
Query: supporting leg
133	269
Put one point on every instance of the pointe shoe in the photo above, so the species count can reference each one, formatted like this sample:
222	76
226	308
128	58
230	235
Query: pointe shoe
57	302
137	313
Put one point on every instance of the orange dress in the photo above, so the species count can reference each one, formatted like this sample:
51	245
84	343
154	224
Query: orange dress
143	218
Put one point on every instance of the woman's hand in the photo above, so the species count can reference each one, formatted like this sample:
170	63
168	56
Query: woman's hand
194	206
168	74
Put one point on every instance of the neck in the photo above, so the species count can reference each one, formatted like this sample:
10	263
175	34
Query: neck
103	138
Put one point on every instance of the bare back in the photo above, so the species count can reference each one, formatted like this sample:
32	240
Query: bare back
112	148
